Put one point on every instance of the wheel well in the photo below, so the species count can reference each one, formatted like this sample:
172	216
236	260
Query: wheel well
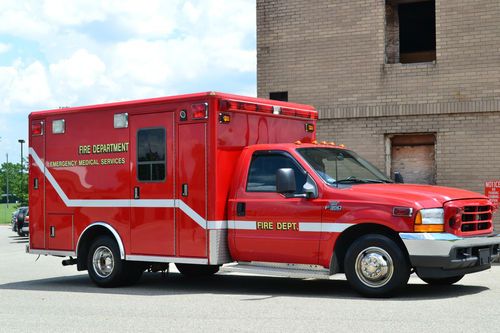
353	233
86	239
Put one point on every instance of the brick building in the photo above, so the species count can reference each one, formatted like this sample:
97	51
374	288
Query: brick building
413	86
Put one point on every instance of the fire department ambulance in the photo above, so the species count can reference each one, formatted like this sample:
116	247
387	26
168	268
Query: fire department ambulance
211	179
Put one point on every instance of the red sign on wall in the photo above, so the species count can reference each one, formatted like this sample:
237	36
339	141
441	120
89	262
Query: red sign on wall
492	190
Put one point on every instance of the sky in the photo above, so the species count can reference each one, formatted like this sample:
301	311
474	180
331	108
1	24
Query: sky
59	53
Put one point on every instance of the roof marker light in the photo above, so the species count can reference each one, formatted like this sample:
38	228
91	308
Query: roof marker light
298	142
120	120
309	127
58	126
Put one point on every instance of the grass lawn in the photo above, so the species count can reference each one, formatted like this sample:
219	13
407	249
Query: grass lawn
6	214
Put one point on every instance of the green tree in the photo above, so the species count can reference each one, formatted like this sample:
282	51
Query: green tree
18	182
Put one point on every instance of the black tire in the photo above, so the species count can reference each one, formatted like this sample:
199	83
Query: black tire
109	269
443	281
375	266
197	270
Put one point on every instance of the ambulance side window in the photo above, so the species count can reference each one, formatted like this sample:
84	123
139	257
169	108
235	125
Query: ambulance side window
263	168
151	160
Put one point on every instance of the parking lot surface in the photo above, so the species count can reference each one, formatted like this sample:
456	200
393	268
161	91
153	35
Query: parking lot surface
43	296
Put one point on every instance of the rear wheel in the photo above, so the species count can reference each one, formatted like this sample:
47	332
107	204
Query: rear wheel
197	270
375	266
106	268
443	281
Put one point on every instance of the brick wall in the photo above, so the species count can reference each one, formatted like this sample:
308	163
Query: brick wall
332	54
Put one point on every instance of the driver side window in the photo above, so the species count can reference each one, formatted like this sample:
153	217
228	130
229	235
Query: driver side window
263	168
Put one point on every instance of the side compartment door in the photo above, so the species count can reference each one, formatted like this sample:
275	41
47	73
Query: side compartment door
271	227
192	189
152	222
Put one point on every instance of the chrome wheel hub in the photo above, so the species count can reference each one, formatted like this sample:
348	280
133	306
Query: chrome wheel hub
103	261
374	267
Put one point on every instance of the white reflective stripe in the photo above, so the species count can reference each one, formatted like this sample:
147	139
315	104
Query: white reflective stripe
97	203
323	227
242	225
216	225
191	213
166	203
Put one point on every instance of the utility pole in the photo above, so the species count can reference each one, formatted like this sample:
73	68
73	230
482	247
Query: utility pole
7	177
21	141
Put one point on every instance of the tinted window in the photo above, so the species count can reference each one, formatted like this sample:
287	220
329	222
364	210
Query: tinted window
262	174
151	154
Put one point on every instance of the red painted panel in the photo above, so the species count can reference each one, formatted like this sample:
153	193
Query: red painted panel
192	171
37	205
62	235
278	237
152	228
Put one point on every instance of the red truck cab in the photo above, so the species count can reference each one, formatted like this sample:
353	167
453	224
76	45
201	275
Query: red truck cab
209	180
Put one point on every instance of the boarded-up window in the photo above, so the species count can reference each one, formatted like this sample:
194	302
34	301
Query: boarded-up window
414	157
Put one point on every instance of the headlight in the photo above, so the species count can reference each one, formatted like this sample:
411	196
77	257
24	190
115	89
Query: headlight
430	220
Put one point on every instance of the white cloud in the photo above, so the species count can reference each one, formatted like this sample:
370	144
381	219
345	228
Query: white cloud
24	85
23	19
81	70
4	48
74	12
149	50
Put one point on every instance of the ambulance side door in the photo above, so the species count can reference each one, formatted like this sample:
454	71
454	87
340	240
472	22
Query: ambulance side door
152	224
271	227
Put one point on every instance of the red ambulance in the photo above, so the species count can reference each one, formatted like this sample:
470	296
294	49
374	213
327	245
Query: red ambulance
211	179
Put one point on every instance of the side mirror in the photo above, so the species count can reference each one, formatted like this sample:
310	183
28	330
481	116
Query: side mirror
285	181
310	188
398	178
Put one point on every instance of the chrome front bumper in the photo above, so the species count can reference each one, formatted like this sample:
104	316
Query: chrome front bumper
443	254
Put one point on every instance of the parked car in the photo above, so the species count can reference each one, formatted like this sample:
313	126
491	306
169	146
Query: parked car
14	220
25	230
23	211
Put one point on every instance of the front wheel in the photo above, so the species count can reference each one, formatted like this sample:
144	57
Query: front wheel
442	281
375	266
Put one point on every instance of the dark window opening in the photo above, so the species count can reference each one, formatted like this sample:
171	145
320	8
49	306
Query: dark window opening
262	174
410	31
151	161
279	96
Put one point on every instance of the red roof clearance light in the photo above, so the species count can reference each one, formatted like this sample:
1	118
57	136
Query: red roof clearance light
226	105
199	111
37	128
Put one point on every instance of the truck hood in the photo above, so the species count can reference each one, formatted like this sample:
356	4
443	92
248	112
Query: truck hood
411	195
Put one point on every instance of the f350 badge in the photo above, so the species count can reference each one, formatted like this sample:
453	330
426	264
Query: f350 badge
334	206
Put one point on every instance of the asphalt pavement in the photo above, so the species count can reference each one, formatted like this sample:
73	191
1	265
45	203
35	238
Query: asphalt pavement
40	295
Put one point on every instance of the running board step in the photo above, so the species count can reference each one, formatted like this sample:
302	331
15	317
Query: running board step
275	269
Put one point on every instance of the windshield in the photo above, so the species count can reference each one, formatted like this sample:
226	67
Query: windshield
338	166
